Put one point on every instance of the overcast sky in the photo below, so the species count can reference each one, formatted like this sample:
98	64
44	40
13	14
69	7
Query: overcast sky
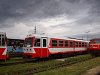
69	18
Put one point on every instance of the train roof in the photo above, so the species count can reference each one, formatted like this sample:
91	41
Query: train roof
55	37
2	33
15	39
95	39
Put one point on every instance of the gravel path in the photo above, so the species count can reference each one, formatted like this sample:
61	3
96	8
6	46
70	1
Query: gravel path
93	71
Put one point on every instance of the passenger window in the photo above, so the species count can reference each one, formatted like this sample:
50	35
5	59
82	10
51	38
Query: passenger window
76	44
37	43
71	44
60	43
79	44
83	44
66	43
54	42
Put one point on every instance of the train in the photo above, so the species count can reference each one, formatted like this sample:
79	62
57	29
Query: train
10	46
43	46
3	46
94	46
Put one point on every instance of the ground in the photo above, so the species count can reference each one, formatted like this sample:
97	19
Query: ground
93	71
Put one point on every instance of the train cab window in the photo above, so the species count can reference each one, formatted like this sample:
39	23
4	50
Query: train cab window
76	44
66	43
71	44
54	42
60	42
37	42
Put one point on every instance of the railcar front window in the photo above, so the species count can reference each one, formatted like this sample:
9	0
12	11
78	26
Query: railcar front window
98	41
28	42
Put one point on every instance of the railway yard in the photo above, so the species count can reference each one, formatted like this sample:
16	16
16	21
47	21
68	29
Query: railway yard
77	65
49	37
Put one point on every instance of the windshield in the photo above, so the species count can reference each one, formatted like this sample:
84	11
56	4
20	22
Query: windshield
28	42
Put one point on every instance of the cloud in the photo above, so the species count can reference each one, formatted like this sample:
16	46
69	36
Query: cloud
53	17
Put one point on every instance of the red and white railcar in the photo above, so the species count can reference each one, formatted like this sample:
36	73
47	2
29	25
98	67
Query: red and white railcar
94	46
3	46
41	46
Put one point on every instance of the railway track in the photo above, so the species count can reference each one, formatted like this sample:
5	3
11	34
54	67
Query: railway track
55	65
15	63
50	67
22	61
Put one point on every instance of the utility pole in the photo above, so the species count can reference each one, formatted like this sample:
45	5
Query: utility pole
87	34
82	38
35	30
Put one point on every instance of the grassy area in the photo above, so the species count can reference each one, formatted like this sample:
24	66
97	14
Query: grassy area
27	66
75	69
78	58
24	67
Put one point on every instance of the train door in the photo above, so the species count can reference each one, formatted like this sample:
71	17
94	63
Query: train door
44	47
